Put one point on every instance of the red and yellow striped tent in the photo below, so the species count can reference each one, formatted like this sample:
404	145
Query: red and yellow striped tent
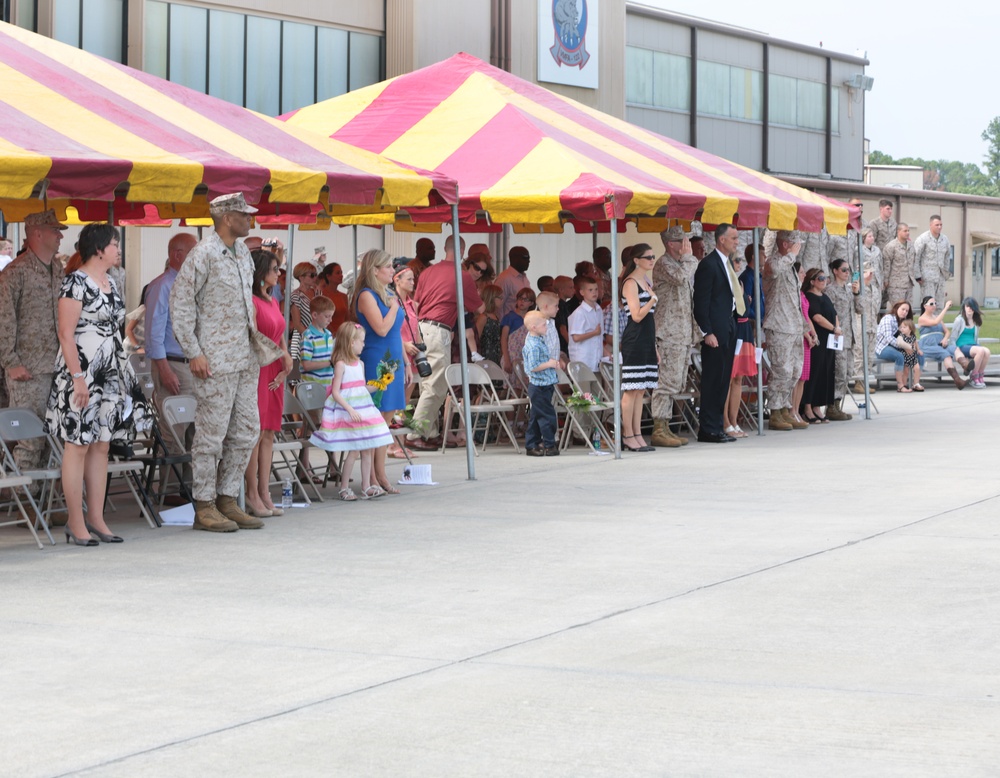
523	154
76	129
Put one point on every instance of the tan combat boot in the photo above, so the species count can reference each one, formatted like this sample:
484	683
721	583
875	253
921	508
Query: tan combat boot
662	437
779	421
836	413
227	507
208	518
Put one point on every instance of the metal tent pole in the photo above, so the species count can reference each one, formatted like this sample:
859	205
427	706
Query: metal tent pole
760	339
864	330
615	337
354	230
470	443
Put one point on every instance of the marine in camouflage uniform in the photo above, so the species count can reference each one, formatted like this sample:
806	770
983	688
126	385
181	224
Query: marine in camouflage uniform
898	267
673	276
871	303
784	327
884	231
29	300
846	303
933	257
211	308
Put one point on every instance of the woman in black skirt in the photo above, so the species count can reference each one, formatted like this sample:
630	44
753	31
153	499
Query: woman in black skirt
638	343
818	391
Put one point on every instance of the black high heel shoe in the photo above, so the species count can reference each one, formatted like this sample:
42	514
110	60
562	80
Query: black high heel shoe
71	538
103	536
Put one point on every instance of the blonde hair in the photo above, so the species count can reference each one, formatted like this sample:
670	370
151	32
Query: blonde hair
533	316
346	333
371	261
546	297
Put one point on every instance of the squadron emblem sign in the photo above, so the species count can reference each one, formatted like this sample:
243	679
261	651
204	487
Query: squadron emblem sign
572	57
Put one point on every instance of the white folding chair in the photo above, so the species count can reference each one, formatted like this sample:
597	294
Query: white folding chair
582	379
306	399
506	391
12	483
483	402
17	424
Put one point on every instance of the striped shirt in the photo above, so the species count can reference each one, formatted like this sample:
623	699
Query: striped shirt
317	345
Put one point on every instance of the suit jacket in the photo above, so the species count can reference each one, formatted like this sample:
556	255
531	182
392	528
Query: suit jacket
713	296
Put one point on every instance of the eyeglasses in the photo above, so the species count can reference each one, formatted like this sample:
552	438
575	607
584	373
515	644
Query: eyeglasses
647	256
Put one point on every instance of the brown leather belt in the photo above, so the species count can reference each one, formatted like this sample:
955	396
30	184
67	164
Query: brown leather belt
440	324
177	359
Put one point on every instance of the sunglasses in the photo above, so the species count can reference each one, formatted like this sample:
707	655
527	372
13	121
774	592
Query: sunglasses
821	278
647	256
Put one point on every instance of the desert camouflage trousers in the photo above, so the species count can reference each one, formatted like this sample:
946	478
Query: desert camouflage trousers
784	352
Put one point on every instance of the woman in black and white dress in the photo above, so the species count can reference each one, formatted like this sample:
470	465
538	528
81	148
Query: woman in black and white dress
638	343
95	398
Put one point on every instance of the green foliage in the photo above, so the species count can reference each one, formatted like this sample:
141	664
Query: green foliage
945	175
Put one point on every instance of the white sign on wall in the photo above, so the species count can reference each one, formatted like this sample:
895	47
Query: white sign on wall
567	42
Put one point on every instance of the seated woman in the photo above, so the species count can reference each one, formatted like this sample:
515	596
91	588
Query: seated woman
940	349
885	345
965	333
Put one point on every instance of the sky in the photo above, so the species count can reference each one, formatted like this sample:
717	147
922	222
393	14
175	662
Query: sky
933	63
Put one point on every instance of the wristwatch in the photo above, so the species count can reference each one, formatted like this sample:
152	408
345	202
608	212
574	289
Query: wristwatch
81	374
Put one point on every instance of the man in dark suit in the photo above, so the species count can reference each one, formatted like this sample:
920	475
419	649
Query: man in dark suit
716	291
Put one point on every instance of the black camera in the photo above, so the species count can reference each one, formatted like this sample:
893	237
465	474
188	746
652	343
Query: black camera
420	360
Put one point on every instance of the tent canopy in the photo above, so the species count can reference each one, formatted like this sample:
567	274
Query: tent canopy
524	154
78	129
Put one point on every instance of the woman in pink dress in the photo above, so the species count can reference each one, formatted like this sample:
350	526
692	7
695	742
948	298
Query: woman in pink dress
270	386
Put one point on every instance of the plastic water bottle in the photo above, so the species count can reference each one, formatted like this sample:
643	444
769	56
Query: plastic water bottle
286	494
596	439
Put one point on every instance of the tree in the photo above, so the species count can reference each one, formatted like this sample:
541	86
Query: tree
992	136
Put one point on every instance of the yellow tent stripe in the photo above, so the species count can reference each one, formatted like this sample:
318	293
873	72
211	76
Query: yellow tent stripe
22	170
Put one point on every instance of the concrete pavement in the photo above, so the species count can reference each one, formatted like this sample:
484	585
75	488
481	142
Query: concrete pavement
819	602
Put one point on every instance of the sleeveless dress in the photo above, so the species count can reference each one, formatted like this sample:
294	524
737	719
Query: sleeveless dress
387	351
638	349
489	340
116	407
936	350
271	323
745	362
806	357
337	431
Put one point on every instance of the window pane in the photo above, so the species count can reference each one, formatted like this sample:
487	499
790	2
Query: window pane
835	102
188	46
713	88
331	63
638	76
102	28
66	21
745	94
298	67
782	99
154	42
26	14
366	60
671	81
263	64
225	70
811	105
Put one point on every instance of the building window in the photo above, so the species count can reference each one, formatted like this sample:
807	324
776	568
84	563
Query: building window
951	261
735	92
795	102
994	262
97	26
657	79
267	65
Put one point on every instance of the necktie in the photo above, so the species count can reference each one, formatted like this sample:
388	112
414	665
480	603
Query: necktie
734	282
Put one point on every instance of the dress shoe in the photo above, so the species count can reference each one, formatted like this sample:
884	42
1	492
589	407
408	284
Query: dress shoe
73	539
714	437
423	445
552	451
535	452
104	537
175	500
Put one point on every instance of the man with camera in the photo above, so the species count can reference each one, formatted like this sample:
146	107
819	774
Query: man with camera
437	307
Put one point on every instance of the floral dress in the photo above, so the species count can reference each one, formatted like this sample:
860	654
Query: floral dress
117	407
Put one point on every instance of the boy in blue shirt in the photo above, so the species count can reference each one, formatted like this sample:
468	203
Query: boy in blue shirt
540	367
316	349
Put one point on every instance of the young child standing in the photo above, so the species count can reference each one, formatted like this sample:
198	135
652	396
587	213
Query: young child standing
540	367
351	422
586	326
316	351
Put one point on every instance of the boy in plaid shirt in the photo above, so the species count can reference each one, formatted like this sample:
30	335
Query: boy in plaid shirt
540	367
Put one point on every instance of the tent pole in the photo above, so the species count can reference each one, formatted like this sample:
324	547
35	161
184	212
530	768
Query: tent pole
864	329
289	253
593	231
470	443
354	229
756	309
615	360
